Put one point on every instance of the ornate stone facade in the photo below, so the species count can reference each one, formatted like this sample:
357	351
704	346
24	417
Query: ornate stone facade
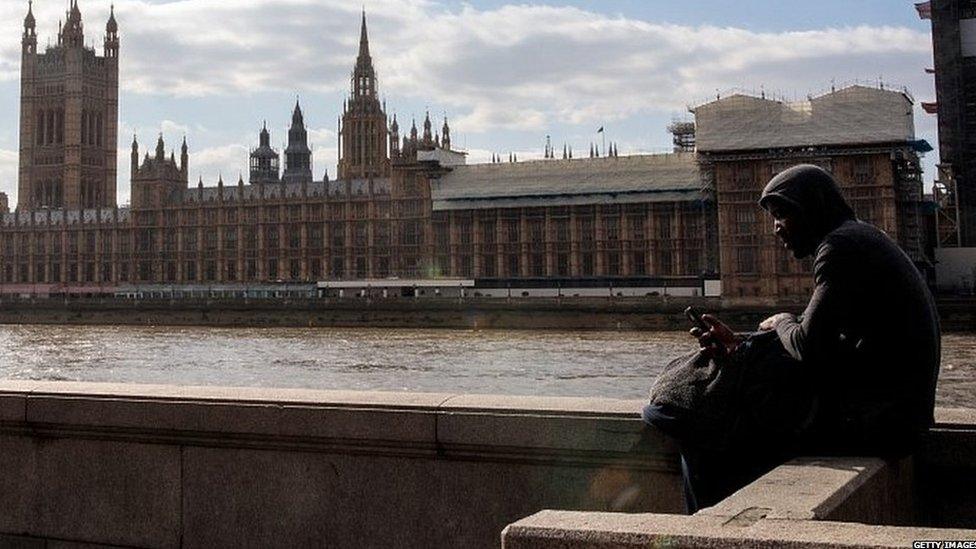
68	118
409	207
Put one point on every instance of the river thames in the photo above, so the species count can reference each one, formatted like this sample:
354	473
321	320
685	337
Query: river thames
589	364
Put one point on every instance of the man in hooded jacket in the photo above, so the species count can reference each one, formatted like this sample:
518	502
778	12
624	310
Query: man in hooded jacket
870	333
869	338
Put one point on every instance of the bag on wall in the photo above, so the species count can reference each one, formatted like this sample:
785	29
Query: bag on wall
756	396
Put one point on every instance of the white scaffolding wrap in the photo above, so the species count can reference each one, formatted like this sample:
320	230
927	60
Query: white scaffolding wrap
856	115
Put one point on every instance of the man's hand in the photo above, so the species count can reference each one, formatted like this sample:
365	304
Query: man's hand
769	324
719	338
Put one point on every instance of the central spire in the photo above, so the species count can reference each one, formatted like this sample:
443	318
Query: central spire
364	40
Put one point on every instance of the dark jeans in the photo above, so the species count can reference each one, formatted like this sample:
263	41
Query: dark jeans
711	475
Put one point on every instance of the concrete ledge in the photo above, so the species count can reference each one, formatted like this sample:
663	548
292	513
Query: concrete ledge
868	490
564	530
808	502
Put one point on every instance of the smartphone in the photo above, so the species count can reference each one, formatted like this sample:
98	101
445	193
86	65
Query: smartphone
695	316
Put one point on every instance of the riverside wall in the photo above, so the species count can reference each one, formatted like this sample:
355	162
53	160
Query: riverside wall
537	313
97	465
125	465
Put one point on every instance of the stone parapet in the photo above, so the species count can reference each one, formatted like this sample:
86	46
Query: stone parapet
163	466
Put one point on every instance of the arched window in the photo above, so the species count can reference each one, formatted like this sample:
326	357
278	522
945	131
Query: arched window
60	126
40	127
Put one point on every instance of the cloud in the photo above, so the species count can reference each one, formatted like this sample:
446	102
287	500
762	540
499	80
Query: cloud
517	67
8	174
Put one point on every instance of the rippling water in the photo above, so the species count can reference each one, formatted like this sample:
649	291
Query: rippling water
595	364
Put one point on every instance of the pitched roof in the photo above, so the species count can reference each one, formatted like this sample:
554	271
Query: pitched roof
626	179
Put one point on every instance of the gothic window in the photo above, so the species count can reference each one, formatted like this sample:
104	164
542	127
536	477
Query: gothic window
442	237
746	260
49	134
538	265
638	260
99	130
60	127
613	264
664	226
693	262
295	237
613	228
84	127
665	262
271	238
488	232
40	127
745	220
512	230
513	265
587	265
637	227
315	236
230	238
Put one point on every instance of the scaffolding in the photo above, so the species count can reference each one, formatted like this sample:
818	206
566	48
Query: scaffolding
684	136
947	209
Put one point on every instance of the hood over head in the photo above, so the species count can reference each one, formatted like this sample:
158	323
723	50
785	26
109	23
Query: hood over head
814	194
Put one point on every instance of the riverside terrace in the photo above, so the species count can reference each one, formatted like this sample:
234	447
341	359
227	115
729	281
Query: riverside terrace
125	465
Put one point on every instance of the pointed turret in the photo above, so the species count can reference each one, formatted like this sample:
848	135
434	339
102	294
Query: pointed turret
185	161
112	35
30	30
160	149
297	117
428	133
446	136
298	157
265	162
363	75
364	39
73	34
135	156
395	136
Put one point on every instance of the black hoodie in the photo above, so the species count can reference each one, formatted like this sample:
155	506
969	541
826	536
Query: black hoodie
870	334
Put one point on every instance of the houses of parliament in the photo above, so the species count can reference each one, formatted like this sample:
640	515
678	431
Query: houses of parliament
409	206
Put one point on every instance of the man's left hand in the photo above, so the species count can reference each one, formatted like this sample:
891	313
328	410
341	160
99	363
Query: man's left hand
770	323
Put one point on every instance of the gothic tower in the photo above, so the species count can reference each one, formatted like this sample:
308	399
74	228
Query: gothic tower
363	147
298	157
264	160
69	109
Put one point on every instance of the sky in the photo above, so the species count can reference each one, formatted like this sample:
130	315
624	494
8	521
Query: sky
505	74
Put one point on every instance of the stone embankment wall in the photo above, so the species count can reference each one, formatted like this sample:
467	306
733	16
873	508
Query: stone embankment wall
170	466
541	314
155	466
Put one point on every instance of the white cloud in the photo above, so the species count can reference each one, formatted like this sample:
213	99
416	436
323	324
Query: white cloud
518	67
8	174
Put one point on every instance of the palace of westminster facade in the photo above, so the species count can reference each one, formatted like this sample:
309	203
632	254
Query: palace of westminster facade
409	206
